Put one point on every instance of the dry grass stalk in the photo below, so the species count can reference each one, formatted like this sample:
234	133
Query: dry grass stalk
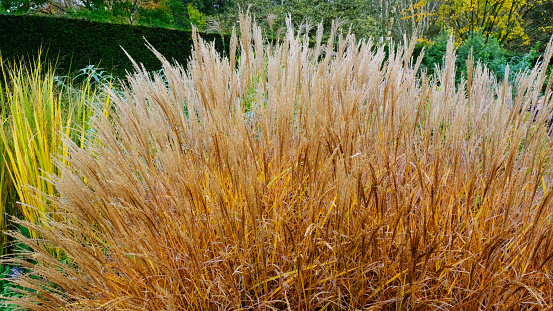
285	182
271	18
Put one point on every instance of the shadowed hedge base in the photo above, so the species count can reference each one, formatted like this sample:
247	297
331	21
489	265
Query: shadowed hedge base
295	184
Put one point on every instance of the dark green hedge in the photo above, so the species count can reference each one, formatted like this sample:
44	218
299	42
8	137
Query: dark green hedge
75	44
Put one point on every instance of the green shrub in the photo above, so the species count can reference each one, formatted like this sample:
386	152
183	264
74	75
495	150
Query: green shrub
521	63
486	50
196	17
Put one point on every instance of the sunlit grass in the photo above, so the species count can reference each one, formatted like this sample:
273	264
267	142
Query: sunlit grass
36	114
304	178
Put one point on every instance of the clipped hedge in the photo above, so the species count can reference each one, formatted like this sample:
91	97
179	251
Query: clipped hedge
74	44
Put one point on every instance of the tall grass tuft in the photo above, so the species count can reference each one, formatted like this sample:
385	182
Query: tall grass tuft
297	178
6	206
36	112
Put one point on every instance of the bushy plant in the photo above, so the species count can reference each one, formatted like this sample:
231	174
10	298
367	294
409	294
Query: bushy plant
292	177
521	63
196	17
38	110
485	50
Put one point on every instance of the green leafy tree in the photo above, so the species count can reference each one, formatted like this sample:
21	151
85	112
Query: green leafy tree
538	25
196	17
417	16
485	50
502	19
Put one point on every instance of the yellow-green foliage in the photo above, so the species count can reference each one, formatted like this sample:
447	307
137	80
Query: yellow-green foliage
36	113
503	19
196	17
305	178
6	187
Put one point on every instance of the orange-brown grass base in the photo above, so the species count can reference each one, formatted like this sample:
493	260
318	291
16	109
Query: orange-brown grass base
293	178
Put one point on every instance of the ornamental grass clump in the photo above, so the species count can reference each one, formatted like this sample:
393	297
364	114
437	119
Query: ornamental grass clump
35	113
290	177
